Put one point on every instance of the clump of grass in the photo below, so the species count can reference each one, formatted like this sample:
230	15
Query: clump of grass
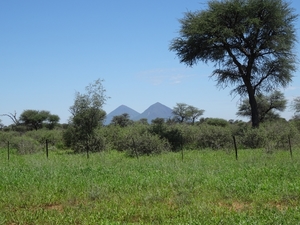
206	187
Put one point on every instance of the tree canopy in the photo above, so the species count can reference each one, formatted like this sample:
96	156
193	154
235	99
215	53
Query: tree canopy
122	120
268	106
34	119
186	113
250	41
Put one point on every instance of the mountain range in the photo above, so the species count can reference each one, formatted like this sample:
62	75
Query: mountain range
154	111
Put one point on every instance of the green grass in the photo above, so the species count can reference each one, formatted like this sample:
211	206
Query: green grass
207	187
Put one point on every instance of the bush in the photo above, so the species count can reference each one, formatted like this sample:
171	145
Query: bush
54	137
6	137
216	122
26	145
95	142
278	134
214	137
252	138
168	132
147	144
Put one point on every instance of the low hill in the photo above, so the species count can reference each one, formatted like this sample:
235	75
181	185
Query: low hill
154	111
119	111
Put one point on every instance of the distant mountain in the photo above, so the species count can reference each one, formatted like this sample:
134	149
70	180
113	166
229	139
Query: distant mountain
156	110
119	111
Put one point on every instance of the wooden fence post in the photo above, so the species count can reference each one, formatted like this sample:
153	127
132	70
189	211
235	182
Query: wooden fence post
290	145
181	146
134	148
235	148
8	150
47	153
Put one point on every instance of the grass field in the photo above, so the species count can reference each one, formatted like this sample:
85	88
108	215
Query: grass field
207	187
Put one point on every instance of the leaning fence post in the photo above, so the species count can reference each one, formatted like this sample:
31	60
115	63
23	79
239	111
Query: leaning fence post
235	148
47	148
8	150
134	148
290	145
181	146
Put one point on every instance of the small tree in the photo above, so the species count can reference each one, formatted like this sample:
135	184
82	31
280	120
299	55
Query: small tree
13	117
194	113
268	106
87	116
180	112
52	121
250	41
295	106
186	113
34	119
121	120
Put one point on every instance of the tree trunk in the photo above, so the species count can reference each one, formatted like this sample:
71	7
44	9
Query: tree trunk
254	109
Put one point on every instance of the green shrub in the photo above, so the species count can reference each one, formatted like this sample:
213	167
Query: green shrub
54	137
189	135
6	137
216	122
278	134
118	138
252	138
214	137
94	143
171	133
147	144
26	145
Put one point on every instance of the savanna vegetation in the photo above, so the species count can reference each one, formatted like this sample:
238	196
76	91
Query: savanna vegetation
180	170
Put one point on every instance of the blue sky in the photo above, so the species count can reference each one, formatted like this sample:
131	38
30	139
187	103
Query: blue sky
51	49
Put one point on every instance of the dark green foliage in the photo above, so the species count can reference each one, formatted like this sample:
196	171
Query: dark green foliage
34	119
135	139
214	137
168	132
121	120
52	121
186	113
216	122
147	144
119	138
253	138
268	106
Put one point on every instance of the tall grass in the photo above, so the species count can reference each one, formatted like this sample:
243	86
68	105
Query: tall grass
207	187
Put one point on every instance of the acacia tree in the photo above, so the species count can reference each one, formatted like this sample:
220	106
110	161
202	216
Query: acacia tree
34	119
122	120
194	113
87	116
267	105
180	112
184	112
250	42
